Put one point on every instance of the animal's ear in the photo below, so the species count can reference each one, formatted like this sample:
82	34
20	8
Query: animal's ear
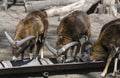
11	41
43	13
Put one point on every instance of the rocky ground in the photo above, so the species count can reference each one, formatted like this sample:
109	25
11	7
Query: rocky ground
10	18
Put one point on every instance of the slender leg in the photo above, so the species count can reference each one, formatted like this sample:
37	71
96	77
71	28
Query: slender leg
112	54
22	55
31	51
77	50
38	49
71	51
106	67
41	51
115	67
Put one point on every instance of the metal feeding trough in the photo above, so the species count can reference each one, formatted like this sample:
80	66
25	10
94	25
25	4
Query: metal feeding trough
47	65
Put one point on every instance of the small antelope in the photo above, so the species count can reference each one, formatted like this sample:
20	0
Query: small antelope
107	45
29	32
72	28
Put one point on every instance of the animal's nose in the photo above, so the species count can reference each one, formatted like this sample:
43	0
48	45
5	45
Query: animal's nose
14	58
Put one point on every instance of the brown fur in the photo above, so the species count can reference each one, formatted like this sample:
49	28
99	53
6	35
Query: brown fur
34	24
107	45
109	36
72	28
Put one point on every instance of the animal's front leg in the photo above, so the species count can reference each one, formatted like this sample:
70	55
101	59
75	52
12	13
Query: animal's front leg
112	54
31	51
106	67
115	67
39	49
71	51
22	55
115	71
77	50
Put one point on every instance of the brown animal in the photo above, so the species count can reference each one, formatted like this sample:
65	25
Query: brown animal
30	31
72	28
108	43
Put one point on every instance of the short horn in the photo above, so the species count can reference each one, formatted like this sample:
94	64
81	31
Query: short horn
11	41
64	48
51	49
19	43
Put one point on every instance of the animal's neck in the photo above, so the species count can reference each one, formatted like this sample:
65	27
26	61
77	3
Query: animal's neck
98	47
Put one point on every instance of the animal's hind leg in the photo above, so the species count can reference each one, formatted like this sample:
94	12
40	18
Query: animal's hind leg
77	50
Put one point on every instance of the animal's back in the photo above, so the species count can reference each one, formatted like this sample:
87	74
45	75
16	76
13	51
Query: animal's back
39	14
109	35
110	23
34	24
74	25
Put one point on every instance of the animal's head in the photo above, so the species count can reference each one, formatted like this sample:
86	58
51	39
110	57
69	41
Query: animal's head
98	52
59	53
62	41
17	45
92	52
